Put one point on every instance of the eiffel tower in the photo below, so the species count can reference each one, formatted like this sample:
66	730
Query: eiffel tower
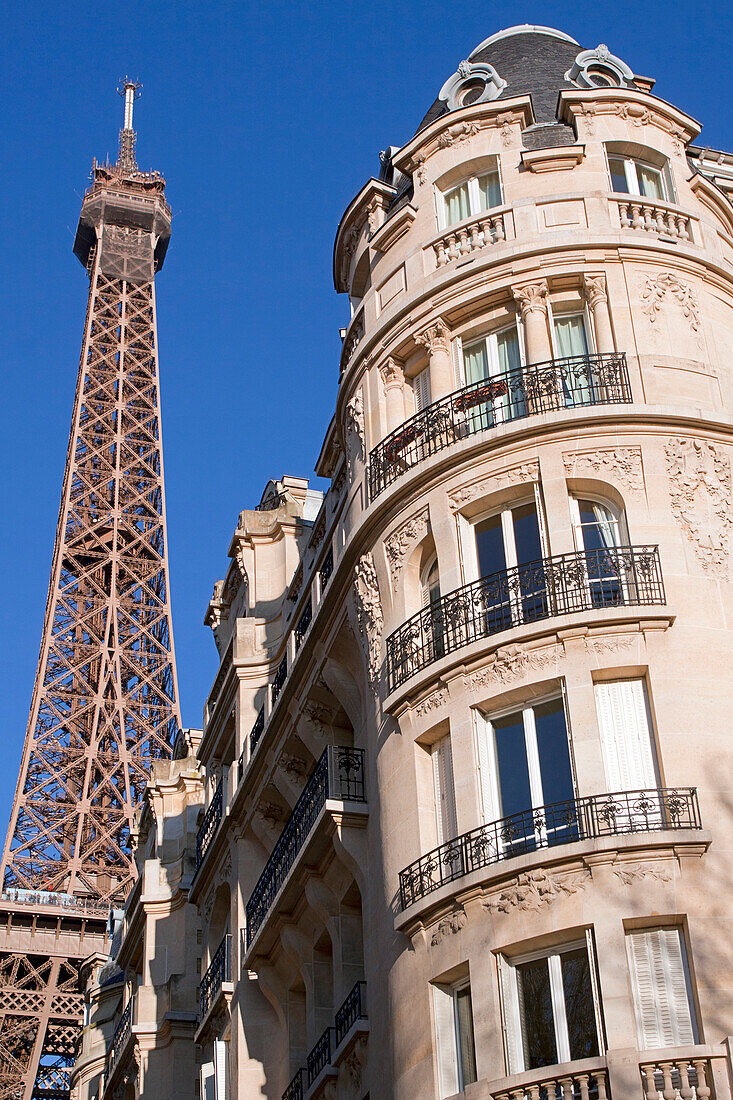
105	700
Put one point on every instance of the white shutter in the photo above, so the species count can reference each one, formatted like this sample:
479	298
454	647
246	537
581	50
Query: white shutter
445	1040
661	996
484	753
445	796
208	1081
511	1023
590	947
221	1066
626	741
458	372
421	389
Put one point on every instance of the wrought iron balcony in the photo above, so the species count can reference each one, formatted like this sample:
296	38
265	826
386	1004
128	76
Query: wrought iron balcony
353	1009
568	383
547	826
339	774
208	827
297	1088
326	568
257	730
618	576
281	675
219	971
122	1033
321	1055
303	623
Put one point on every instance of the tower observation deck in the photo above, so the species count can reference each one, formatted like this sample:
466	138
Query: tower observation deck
105	700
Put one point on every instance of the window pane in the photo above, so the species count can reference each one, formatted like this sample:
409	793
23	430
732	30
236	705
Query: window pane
651	184
511	758
535	1010
476	362
526	533
490	546
456	204
466	1046
552	745
507	347
618	175
570	335
598	526
489	190
579	1009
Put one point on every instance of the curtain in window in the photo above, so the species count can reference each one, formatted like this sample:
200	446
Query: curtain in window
650	182
605	524
476	362
456	202
570	335
489	190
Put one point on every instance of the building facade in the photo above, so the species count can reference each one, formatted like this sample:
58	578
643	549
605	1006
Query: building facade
465	786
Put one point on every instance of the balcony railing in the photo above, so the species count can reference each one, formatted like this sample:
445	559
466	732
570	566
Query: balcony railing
303	623
257	730
297	1088
219	971
598	815
353	1009
281	675
321	1054
568	1083
511	395
484	230
208	827
678	1077
589	580
119	1039
326	568
339	774
654	217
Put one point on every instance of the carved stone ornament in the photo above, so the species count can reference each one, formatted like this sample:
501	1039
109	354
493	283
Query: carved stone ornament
354	429
369	616
419	168
655	290
448	926
431	702
534	890
318	716
292	764
621	463
594	290
700	488
457	134
584	70
616	643
435	338
512	661
392	372
403	540
504	122
531	298
475	78
348	248
356	1059
633	874
270	811
510	475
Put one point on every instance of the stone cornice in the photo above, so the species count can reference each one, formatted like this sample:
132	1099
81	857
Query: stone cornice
639	107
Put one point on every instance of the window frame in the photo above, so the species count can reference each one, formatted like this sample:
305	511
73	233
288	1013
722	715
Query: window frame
489	340
474	195
575	310
618	516
452	989
631	164
467	531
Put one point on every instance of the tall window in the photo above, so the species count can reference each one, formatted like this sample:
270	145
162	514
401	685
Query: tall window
496	357
630	176
662	988
445	795
430	599
421	389
524	764
627	745
510	540
454	1037
551	1007
471	197
600	529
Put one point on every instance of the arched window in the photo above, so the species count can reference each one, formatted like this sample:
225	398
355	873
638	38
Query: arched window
599	528
637	175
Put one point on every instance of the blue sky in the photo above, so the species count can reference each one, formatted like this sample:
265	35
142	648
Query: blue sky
266	119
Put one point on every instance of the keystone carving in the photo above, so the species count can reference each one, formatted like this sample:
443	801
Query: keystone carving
511	475
700	488
448	926
368	612
623	463
532	297
534	890
435	338
512	661
402	540
655	290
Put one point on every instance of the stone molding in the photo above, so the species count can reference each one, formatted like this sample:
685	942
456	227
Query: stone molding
403	540
621	463
431	702
512	661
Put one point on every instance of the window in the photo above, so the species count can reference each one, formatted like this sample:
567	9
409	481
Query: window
524	766
633	177
497	356
430	598
471	197
454	1034
421	389
445	795
599	529
510	540
214	1075
551	1007
662	988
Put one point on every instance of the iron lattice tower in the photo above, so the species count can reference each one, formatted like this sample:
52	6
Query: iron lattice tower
105	701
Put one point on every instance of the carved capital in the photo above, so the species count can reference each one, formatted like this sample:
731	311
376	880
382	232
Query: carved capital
532	297
435	338
594	290
392	372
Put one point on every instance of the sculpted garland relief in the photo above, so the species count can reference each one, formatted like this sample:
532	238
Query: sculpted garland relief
700	488
623	463
401	542
511	475
368	614
655	291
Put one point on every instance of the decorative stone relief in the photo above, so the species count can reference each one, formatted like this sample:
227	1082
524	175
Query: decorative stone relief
623	463
532	297
448	926
504	122
655	290
511	475
457	134
615	644
594	290
431	702
633	113
435	337
403	539
369	616
355	1061
419	168
270	811
536	889
392	372
700	488
511	661
292	764
354	430
633	874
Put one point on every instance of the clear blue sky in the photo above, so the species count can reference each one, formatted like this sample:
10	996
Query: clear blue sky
265	119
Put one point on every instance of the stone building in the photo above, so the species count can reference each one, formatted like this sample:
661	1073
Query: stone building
467	790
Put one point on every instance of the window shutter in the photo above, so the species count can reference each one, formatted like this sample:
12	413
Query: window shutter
208	1082
421	389
660	989
488	807
221	1067
593	970
510	1017
445	1041
625	735
458	375
445	798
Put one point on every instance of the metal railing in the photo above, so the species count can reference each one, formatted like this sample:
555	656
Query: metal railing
567	383
273	501
303	623
208	827
597	815
257	730
321	1054
339	774
354	1008
326	568
297	1087
219	971
120	1037
281	675
616	576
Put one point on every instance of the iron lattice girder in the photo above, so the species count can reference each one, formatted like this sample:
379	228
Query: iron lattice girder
104	704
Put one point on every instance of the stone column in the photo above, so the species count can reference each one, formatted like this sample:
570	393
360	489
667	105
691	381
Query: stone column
532	300
393	379
596	295
436	340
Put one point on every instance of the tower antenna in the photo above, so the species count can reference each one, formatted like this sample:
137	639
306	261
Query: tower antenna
130	91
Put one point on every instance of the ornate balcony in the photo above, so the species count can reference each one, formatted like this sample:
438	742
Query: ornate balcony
512	395
654	217
210	824
339	775
598	815
219	971
121	1037
619	576
481	231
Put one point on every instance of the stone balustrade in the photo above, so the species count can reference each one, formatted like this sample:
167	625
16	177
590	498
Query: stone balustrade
654	217
677	1079
586	1081
479	232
